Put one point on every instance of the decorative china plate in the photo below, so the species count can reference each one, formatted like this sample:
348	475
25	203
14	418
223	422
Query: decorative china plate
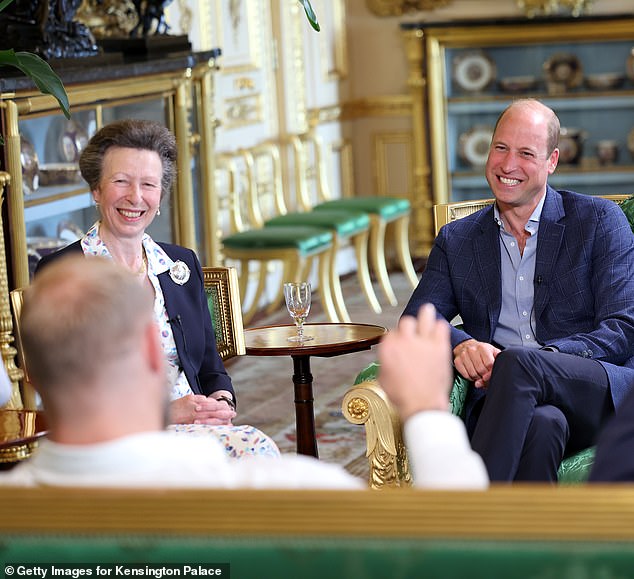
571	145
72	140
564	70
474	145
515	84
473	71
30	166
59	174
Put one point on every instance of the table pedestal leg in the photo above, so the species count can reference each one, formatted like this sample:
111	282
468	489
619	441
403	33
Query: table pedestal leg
304	412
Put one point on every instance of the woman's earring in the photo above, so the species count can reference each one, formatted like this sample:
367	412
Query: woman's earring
158	211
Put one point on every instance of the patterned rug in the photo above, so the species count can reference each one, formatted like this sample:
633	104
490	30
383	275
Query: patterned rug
265	389
338	440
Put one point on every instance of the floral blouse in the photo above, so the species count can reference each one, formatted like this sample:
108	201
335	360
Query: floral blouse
157	262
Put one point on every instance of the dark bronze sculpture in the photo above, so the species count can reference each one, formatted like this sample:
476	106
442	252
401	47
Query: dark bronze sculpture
47	28
149	11
51	29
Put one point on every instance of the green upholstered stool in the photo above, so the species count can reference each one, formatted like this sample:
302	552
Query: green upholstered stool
248	241
306	240
389	208
294	247
573	469
345	225
382	210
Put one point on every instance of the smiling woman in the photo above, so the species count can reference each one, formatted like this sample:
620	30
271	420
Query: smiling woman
130	165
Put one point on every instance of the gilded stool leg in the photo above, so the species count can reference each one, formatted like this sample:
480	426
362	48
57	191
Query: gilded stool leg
377	255
291	264
401	230
335	284
259	291
325	289
363	273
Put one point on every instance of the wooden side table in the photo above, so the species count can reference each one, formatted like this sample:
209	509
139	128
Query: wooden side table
328	340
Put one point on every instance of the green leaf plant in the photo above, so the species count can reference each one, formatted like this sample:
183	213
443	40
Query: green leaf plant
310	14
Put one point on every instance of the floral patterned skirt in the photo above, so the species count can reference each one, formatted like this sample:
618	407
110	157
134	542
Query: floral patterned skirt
238	441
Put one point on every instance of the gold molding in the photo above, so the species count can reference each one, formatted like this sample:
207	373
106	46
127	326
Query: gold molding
324	115
382	142
382	106
400	7
503	513
336	44
295	72
251	59
341	151
6	320
204	85
241	111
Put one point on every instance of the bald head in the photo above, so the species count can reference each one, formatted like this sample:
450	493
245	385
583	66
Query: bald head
81	315
538	110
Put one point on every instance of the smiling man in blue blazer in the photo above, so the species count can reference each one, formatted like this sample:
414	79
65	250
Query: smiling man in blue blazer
544	283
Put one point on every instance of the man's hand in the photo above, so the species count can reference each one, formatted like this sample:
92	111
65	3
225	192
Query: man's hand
474	360
415	362
198	409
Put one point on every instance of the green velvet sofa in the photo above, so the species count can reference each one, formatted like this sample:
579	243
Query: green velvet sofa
511	532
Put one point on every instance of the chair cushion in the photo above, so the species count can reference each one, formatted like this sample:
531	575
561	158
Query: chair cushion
576	468
345	223
387	207
628	208
306	240
370	372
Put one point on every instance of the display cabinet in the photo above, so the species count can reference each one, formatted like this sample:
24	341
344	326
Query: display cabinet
46	204
464	74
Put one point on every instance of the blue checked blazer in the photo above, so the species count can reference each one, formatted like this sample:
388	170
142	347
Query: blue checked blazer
584	281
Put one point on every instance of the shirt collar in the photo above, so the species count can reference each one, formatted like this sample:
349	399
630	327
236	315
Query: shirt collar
533	221
157	260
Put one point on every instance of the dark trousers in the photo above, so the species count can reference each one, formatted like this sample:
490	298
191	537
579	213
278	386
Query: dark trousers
539	406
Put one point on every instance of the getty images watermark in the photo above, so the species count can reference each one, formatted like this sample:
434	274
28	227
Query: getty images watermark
158	571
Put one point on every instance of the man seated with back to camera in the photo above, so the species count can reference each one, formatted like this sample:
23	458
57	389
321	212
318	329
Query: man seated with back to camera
96	359
543	281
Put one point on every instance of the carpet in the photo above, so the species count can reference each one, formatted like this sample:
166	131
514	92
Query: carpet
265	390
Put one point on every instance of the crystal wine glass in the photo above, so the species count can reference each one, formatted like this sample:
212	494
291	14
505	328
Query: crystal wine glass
297	296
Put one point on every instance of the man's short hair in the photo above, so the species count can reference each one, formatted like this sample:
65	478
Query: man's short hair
79	315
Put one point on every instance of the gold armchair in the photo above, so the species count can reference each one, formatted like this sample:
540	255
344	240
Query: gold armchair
366	403
223	298
29	395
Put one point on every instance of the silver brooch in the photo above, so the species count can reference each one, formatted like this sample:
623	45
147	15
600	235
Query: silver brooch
179	272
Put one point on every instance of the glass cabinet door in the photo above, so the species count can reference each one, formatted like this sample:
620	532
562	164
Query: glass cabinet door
58	207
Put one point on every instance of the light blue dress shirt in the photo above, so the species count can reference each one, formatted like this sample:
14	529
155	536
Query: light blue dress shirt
517	315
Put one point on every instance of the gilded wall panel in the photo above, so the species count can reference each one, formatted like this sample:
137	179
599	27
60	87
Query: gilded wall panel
333	39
